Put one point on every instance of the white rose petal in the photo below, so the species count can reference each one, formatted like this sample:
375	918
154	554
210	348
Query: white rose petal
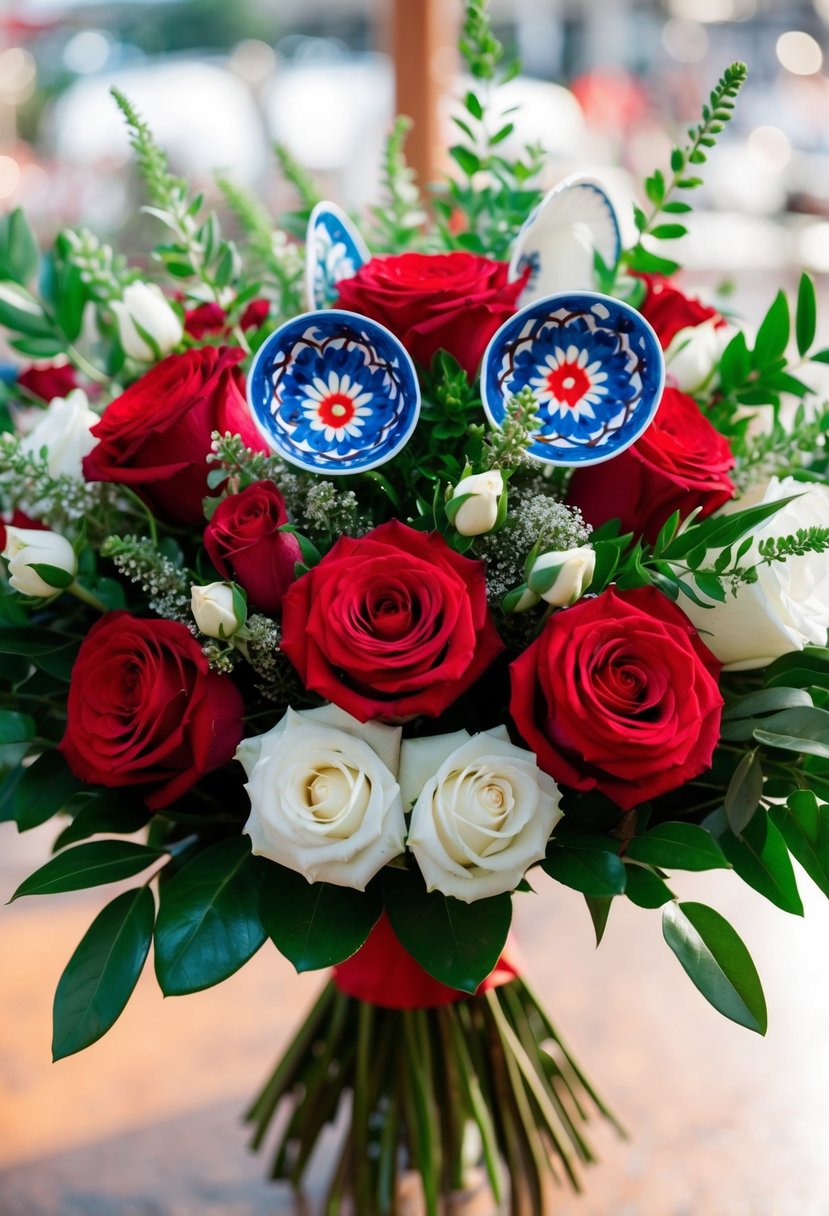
478	514
29	547
694	354
65	431
562	577
322	800
788	607
214	609
145	307
483	818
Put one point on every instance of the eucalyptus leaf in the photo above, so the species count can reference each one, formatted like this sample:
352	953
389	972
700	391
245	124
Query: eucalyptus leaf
102	973
717	962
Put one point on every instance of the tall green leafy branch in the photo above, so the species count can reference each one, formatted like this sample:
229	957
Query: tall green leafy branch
198	252
278	261
659	222
401	215
494	193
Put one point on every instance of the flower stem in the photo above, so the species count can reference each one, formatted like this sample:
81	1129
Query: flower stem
87	597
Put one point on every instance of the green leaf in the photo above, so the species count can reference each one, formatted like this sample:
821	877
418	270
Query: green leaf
773	334
113	812
717	962
19	255
761	859
766	700
467	160
719	531
599	909
804	730
745	789
21	312
804	825
457	943
646	889
89	865
805	314
677	846
15	727
473	105
645	262
44	789
668	232
315	924
594	872
208	919
102	973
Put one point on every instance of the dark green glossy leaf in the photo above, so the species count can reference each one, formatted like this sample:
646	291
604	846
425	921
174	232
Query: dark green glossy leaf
208	919
804	824
102	973
18	248
15	727
719	531
457	943
646	889
773	334
717	962
745	789
677	846
89	865
594	872
44	789
760	857
111	812
766	700
315	924
806	314
599	909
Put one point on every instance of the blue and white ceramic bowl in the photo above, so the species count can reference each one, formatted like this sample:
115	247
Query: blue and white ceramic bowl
595	368
558	239
334	250
333	392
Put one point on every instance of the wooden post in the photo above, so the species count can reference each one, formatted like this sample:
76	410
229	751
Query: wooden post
423	40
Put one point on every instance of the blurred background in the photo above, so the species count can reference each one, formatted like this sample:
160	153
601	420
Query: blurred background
146	1122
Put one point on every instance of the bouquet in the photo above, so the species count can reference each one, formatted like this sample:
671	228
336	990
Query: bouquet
351	589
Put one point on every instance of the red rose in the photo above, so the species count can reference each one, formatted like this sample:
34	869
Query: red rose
211	318
144	706
17	519
244	543
680	462
48	380
433	301
669	310
619	694
390	626
155	437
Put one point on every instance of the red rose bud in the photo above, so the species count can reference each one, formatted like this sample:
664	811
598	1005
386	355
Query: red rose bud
244	543
49	380
669	310
155	437
256	314
679	463
433	301
205	319
620	695
392	625
145	708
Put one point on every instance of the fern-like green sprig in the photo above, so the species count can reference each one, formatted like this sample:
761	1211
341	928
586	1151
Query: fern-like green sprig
276	258
301	181
400	216
506	447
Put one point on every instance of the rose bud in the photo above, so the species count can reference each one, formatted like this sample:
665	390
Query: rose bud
562	577
147	324
40	563
694	354
218	609
65	430
475	502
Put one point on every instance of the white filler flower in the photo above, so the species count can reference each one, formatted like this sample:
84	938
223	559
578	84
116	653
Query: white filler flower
324	799
482	818
788	607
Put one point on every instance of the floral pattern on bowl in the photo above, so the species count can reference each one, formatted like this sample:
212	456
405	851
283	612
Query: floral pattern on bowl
334	250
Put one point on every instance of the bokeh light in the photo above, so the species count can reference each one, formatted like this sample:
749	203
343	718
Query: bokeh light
799	53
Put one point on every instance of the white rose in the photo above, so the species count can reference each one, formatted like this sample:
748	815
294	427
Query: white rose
30	547
483	818
65	431
694	353
218	609
562	577
788	607
324	800
144	307
478	512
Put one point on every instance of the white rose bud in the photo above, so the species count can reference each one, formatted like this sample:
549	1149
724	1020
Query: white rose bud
479	512
694	353
145	308
218	609
28	548
561	577
788	607
65	431
324	800
483	818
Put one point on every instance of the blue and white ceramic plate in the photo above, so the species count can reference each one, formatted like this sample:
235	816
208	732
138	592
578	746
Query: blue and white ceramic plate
333	392
334	250
557	240
595	368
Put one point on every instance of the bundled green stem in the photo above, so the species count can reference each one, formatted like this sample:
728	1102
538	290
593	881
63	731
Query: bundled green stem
432	1092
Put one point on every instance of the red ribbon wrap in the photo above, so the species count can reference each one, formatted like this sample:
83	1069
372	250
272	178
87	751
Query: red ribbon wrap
383	973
